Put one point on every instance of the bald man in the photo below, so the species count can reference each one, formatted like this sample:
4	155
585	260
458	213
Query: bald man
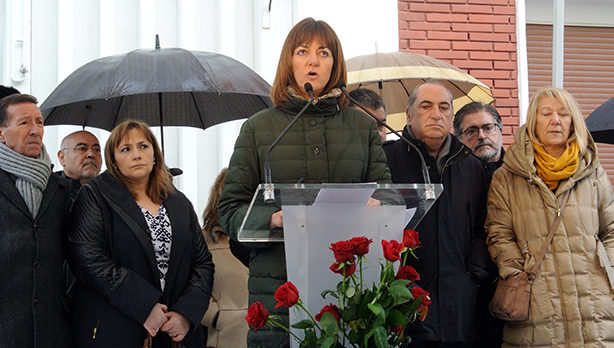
81	157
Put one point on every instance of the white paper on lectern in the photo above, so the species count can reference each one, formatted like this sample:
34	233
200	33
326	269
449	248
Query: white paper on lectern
344	196
409	213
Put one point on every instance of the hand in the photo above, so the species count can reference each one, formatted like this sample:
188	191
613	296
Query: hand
177	326
156	319
373	201
277	219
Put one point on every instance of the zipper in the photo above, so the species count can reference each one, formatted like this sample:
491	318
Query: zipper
97	321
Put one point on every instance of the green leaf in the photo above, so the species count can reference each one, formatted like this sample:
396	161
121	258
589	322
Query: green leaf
381	337
350	292
310	337
329	323
400	294
400	282
328	342
329	292
396	318
380	314
303	324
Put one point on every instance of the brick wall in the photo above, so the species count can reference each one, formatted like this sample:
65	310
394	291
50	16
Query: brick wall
478	36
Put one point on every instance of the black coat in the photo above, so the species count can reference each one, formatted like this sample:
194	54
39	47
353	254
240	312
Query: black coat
115	264
31	286
453	255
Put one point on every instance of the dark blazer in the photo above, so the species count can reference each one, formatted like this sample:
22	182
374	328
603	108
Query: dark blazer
111	254
31	285
453	255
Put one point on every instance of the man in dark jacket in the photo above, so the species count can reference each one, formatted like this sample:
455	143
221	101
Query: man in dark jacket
33	207
452	257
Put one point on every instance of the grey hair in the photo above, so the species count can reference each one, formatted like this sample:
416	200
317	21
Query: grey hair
413	95
472	108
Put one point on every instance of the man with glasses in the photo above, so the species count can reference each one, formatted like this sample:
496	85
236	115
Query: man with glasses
81	157
479	127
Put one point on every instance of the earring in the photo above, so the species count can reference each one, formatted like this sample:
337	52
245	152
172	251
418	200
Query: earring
154	161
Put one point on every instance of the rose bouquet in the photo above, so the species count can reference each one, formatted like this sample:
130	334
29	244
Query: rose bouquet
362	316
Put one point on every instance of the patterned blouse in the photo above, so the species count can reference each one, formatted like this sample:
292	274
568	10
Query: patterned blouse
161	238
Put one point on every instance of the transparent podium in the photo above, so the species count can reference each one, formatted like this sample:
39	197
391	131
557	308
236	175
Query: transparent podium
316	215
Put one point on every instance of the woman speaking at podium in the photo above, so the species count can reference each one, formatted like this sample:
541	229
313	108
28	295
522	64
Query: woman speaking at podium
330	143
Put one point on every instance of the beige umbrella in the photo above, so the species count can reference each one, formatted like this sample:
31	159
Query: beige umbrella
394	75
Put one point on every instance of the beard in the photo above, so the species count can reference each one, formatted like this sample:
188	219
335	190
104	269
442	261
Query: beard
485	150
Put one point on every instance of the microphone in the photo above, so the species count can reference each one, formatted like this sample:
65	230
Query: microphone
269	189
430	190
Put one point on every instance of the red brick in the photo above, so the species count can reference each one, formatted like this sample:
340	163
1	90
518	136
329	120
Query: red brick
453	54
505	28
514	93
412	17
513	38
506	84
512	2
506	65
501	93
488	2
471	9
403	6
508	47
512	20
429	26
489	37
472	46
489	56
447	18
507	103
489	19
507	10
429	44
490	74
403	25
472	27
446	35
412	34
447	1
472	64
421	7
506	129
403	45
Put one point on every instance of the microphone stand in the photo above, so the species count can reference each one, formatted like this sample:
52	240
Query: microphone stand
269	189
430	189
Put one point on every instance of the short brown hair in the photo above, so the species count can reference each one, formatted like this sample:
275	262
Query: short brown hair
13	99
304	32
569	103
160	180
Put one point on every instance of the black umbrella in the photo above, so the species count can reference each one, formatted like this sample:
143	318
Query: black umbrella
601	123
163	87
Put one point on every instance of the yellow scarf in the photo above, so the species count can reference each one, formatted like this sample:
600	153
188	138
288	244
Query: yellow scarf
552	170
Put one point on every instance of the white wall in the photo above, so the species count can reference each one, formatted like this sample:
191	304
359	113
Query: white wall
55	37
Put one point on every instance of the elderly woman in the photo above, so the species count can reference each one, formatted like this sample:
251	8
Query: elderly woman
329	143
138	251
571	300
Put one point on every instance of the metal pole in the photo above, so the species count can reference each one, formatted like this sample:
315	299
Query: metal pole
558	42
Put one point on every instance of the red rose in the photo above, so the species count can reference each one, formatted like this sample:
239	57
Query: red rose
257	316
343	250
361	245
334	310
392	250
426	300
350	268
410	239
286	295
409	273
396	329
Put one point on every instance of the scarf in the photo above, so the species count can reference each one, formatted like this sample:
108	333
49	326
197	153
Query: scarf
335	92
32	174
442	156
553	170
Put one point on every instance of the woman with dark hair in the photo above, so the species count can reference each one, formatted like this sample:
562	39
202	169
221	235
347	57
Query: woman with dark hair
330	143
137	249
554	156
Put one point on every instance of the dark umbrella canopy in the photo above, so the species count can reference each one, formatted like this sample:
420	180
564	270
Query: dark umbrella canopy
601	123
163	87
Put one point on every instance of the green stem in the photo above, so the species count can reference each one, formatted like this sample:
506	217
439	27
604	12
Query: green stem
313	320
274	323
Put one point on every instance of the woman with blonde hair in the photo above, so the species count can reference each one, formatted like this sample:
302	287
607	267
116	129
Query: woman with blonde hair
137	249
330	143
554	155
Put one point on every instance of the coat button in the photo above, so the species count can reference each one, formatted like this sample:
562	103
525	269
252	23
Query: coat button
316	151
313	122
35	302
37	265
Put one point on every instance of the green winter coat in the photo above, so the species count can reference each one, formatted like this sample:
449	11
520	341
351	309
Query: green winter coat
326	145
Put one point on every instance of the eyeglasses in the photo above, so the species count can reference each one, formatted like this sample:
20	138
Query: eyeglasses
472	132
84	148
